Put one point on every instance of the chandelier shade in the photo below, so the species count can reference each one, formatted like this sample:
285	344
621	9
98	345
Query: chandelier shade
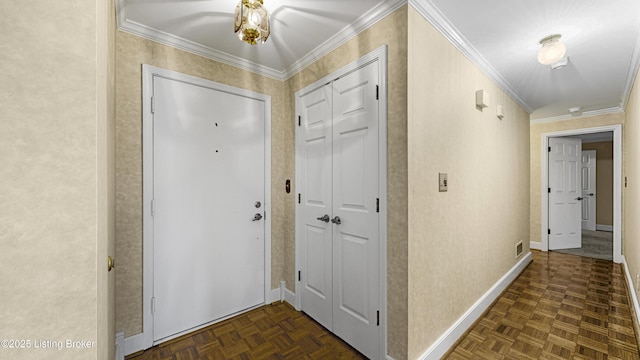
552	50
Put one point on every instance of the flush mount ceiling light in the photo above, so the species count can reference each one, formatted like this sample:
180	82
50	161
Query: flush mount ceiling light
552	50
251	22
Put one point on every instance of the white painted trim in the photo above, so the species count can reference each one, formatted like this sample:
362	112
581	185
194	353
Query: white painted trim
133	344
604	227
120	346
631	72
148	72
380	55
535	245
606	111
617	184
364	22
451	336
631	288
432	14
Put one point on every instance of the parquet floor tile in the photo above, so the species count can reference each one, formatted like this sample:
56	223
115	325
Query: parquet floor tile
563	307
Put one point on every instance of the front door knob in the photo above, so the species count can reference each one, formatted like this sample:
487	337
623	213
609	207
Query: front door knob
336	220
257	217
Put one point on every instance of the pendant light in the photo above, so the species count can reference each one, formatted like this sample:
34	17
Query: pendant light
251	22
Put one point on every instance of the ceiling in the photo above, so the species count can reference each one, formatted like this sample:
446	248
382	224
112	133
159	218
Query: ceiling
500	36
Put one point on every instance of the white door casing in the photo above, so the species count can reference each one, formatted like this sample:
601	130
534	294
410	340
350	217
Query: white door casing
564	193
616	129
588	186
357	185
206	151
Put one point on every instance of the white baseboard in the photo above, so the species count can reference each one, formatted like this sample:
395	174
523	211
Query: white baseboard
535	245
631	287
120	346
133	344
449	338
604	227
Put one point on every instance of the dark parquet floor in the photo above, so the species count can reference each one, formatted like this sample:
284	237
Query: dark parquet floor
561	307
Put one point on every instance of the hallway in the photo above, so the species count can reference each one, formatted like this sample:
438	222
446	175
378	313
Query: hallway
561	307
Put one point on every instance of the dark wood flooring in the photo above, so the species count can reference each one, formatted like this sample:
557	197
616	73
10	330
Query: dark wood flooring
561	307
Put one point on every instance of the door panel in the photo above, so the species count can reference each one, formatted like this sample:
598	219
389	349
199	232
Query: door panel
208	174
565	208
314	145
588	189
337	148
355	190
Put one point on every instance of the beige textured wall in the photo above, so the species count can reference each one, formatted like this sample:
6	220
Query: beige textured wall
391	31
461	242
536	142
131	53
630	194
48	160
604	180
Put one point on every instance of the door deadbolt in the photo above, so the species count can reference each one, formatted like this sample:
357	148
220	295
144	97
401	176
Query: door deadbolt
258	204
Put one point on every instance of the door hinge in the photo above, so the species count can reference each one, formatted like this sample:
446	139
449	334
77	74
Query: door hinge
299	120
153	305
549	149
549	190
153	105
377	92
299	198
377	205
299	275
378	318
548	231
153	207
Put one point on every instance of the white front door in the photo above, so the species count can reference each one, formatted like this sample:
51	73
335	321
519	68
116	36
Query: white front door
337	215
565	209
588	172
208	184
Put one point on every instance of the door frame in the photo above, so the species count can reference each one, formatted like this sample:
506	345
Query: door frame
617	184
148	73
379	55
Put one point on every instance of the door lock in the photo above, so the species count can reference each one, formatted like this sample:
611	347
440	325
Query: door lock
336	220
257	217
258	204
579	198
324	218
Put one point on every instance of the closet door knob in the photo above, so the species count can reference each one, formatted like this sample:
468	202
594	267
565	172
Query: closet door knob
324	218
336	220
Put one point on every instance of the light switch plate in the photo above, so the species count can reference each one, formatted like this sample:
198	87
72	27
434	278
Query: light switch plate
443	182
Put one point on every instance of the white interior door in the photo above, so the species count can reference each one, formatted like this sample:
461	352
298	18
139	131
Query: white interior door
314	145
565	210
338	223
355	193
588	172
208	171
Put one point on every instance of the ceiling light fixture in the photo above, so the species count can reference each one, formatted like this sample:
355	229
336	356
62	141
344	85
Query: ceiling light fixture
251	22
552	50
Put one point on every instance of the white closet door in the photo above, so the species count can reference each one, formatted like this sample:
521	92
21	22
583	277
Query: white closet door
355	192
565	208
208	163
314	147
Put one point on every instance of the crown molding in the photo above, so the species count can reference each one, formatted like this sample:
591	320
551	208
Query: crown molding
367	20
607	111
632	72
433	15
364	22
